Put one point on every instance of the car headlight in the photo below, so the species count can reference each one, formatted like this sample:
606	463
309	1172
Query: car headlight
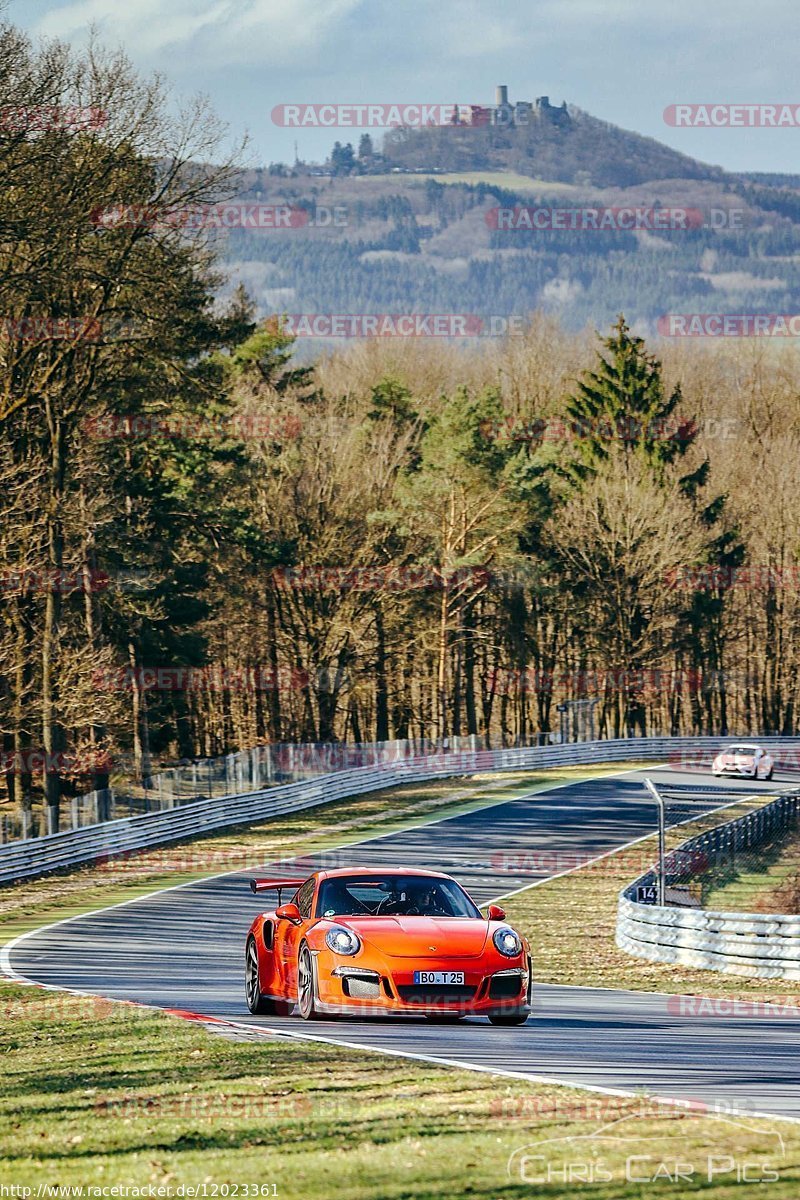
342	941
507	942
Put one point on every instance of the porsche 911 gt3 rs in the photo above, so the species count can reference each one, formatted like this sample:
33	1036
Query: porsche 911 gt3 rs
360	942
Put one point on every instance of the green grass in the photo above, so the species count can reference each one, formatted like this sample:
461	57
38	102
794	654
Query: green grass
111	1095
764	880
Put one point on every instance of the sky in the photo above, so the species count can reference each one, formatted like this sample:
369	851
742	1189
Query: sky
624	61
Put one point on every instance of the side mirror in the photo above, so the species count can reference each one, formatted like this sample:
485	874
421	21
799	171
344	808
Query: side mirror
288	912
496	913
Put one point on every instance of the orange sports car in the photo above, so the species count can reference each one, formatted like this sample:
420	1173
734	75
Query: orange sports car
379	941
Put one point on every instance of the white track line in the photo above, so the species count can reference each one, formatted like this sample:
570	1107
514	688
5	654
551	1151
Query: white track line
439	1060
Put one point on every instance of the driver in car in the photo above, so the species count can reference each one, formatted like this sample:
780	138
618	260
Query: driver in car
421	902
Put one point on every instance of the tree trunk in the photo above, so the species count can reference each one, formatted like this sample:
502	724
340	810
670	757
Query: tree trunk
381	681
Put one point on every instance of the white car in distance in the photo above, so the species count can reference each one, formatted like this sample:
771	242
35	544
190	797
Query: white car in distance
744	760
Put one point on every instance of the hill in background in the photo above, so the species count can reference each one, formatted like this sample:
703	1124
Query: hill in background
413	231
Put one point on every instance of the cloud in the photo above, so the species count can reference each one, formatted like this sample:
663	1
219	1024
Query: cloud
221	32
618	59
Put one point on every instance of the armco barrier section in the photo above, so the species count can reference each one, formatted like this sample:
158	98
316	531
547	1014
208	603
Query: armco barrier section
762	945
110	839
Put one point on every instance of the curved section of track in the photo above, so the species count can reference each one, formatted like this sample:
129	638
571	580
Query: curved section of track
182	949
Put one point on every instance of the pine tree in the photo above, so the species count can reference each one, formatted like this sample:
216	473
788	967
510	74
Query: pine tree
624	403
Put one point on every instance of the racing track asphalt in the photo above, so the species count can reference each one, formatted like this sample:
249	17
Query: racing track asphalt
183	948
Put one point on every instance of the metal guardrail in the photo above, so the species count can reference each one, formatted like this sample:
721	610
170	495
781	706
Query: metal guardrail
112	839
763	945
230	775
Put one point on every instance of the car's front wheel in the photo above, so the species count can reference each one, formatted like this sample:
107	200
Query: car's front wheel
259	1004
307	985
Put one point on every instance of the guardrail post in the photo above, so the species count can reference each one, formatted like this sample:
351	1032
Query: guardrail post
662	835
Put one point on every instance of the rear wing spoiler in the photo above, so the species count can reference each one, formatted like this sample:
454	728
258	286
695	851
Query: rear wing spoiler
274	885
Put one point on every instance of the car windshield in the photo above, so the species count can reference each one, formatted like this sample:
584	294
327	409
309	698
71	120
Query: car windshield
742	750
393	895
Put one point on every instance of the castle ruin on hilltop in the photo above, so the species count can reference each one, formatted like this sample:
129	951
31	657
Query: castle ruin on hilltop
505	114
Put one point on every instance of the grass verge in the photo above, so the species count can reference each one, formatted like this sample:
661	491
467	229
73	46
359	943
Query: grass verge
111	1095
766	880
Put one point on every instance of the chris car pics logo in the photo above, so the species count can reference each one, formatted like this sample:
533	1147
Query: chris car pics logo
686	1149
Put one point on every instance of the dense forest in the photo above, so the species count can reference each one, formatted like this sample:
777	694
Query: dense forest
405	244
206	545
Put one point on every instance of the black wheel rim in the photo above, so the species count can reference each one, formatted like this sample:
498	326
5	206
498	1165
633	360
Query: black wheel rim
251	976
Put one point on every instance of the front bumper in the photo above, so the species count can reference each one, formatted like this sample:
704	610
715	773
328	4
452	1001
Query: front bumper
352	989
741	772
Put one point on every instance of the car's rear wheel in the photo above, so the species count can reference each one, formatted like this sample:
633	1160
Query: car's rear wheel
515	1017
307	985
259	1004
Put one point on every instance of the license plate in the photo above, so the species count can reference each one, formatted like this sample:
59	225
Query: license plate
440	977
